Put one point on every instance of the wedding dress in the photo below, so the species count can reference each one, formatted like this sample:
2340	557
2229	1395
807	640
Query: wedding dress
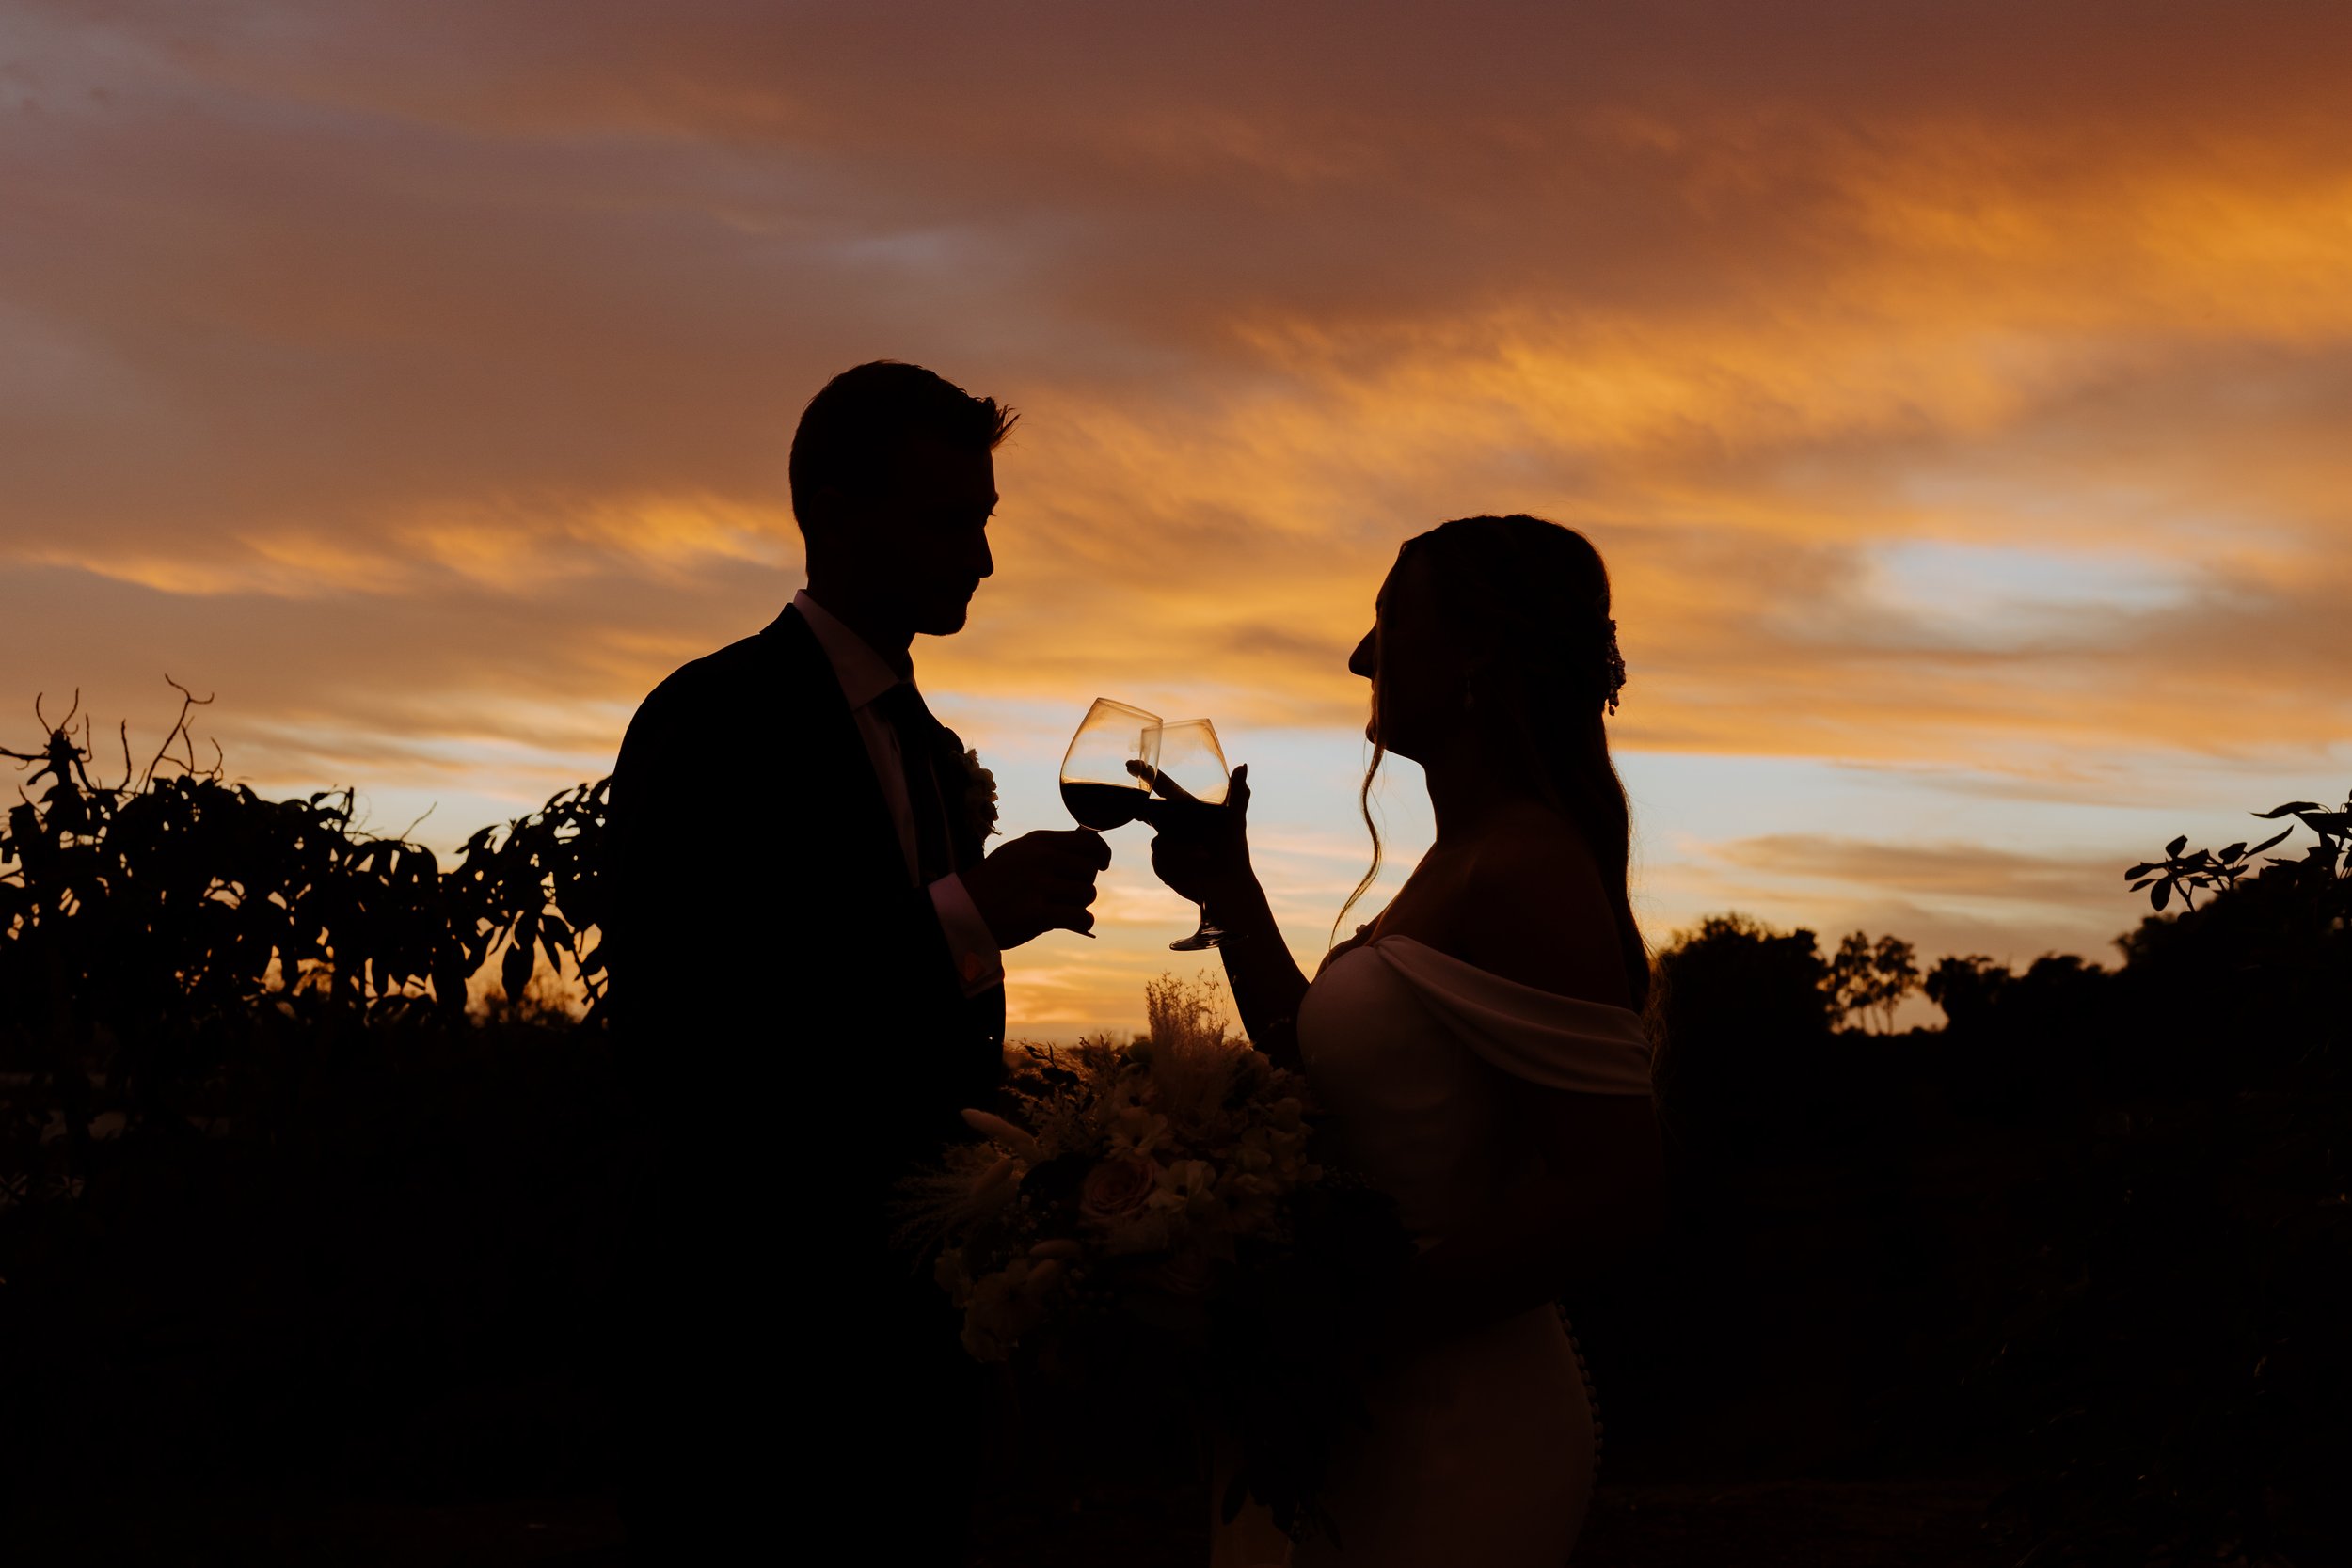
1481	1451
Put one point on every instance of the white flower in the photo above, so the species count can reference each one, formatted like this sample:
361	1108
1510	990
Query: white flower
1136	1131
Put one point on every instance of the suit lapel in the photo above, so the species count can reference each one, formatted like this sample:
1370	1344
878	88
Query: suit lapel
836	753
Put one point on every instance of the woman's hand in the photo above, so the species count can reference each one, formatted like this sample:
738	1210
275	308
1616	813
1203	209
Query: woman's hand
1201	850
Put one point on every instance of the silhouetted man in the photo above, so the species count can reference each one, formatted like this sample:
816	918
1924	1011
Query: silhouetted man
806	941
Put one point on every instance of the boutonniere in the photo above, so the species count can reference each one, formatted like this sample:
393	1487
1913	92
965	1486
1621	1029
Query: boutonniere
979	795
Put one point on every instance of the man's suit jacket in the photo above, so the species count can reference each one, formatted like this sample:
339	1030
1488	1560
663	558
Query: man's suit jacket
788	1004
771	961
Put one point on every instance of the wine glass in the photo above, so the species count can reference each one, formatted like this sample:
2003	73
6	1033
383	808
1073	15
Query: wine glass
1191	767
1107	773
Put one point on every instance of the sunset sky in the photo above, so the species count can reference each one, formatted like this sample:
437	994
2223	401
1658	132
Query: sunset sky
1961	393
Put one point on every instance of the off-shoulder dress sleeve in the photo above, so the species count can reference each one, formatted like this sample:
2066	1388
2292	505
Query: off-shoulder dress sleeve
1558	1041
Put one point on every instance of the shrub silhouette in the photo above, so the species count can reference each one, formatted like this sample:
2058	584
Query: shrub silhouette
2092	1229
140	919
257	1160
2189	1354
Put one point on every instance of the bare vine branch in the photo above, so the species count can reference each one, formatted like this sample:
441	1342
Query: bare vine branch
178	731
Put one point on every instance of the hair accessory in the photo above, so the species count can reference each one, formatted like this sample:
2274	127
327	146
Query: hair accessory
1616	668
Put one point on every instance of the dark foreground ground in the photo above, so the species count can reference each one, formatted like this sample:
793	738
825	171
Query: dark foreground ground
1803	1524
1800	1524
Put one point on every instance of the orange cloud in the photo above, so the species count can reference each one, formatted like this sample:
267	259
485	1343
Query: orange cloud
1958	391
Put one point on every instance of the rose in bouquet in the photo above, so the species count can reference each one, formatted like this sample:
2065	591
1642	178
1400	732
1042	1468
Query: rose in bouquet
1166	1205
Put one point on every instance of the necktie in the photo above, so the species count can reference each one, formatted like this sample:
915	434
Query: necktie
902	709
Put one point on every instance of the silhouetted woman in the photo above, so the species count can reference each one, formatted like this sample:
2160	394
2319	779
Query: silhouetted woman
1481	1043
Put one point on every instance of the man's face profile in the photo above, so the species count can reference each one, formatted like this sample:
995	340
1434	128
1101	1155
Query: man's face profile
921	537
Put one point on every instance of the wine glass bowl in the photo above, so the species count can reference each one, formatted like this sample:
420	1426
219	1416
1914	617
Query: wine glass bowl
1105	775
1190	766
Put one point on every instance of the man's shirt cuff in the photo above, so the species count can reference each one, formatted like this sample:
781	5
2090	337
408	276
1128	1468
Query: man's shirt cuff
980	963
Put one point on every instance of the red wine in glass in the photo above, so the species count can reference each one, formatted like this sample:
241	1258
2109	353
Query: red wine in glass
1102	806
1107	773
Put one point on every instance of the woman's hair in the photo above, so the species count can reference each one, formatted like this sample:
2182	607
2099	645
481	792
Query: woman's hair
1540	591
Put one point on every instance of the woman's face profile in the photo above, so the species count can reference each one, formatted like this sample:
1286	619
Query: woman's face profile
1415	670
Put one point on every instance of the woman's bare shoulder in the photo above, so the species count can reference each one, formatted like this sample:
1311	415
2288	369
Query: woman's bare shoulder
1364	933
1535	909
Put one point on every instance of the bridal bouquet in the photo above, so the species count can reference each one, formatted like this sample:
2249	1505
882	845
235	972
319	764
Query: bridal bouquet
1164	1204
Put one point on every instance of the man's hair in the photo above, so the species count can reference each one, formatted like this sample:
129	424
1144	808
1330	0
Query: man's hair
851	429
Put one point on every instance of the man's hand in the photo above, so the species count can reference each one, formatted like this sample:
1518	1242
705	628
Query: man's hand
1038	882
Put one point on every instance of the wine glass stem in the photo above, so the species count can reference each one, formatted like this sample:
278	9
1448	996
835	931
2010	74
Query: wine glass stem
1205	936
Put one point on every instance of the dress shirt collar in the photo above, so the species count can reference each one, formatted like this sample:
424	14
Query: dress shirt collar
864	673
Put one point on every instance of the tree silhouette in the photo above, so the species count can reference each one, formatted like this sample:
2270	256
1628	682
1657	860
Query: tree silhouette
1872	978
